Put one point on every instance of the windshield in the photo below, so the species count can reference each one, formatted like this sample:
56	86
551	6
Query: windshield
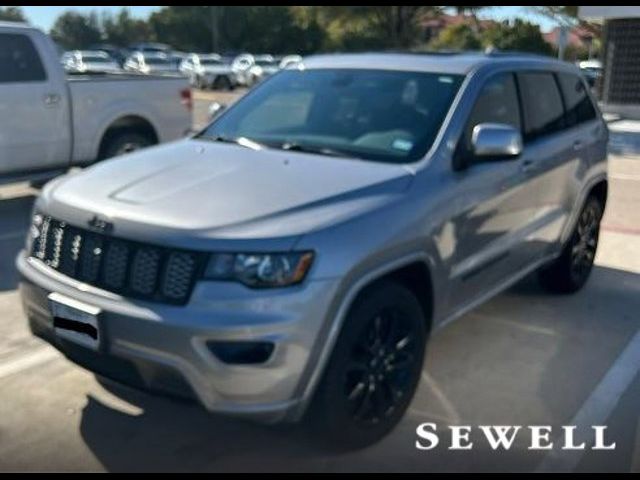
96	59
156	61
379	115
266	63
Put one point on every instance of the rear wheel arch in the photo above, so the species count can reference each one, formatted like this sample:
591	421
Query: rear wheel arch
135	124
600	191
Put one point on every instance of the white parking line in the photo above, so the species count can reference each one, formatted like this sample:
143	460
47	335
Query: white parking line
597	408
27	361
451	413
624	176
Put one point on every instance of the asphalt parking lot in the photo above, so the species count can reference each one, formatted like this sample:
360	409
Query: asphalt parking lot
525	358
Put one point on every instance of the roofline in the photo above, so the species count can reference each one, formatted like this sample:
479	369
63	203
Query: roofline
20	25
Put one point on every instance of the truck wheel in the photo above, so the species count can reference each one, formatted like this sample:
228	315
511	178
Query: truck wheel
374	370
200	83
222	83
570	271
125	142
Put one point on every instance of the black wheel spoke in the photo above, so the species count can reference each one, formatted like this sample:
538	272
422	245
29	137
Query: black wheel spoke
357	391
380	367
365	405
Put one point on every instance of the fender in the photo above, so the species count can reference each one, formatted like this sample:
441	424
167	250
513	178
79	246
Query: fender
325	344
579	202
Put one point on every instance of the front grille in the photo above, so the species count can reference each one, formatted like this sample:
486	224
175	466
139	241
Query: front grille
127	268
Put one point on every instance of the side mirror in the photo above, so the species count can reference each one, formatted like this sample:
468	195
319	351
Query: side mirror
496	140
216	109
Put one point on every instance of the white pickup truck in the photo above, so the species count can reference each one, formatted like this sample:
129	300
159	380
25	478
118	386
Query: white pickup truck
49	122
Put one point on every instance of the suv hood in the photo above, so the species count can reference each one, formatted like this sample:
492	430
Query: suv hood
216	190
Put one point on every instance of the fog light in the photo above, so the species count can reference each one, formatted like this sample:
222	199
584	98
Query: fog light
241	353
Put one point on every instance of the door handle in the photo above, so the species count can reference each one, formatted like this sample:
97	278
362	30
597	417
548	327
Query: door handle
577	145
528	166
52	99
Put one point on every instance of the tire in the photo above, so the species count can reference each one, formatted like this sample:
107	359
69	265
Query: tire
571	270
222	83
120	143
200	83
362	397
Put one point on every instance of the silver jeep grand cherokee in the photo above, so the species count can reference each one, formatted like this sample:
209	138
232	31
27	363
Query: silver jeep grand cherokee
293	257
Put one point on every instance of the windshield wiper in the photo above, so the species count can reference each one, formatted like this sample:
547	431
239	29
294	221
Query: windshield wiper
242	141
305	148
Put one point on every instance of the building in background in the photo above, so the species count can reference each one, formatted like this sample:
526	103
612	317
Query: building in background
620	85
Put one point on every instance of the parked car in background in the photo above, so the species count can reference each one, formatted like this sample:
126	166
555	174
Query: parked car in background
289	61
89	61
592	70
51	122
118	54
177	58
150	63
240	67
263	67
151	47
294	257
208	71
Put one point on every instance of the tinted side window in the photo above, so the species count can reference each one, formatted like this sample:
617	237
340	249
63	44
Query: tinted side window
19	60
497	103
544	112
578	104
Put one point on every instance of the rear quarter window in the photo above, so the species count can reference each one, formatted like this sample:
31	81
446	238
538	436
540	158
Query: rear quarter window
579	107
19	60
543	107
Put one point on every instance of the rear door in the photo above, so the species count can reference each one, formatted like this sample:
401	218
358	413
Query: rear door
551	159
590	138
34	113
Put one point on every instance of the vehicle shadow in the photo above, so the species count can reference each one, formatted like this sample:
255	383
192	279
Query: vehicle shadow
177	435
14	222
524	358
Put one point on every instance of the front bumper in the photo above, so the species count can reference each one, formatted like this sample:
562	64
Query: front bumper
161	347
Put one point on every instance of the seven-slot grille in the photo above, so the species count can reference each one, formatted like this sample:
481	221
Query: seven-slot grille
127	268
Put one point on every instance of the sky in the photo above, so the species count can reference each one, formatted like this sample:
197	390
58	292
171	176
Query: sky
44	17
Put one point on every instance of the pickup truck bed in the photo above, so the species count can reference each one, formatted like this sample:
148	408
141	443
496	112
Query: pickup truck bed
50	122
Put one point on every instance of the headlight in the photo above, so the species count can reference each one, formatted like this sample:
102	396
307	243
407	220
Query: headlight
260	269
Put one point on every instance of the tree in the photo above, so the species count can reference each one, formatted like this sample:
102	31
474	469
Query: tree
276	29
457	37
568	17
12	14
122	29
372	27
520	36
76	31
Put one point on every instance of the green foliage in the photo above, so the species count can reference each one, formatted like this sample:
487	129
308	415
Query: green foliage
277	29
122	29
12	14
520	35
75	31
372	27
290	29
457	37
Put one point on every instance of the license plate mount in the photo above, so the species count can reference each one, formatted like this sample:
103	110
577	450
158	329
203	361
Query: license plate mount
75	321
